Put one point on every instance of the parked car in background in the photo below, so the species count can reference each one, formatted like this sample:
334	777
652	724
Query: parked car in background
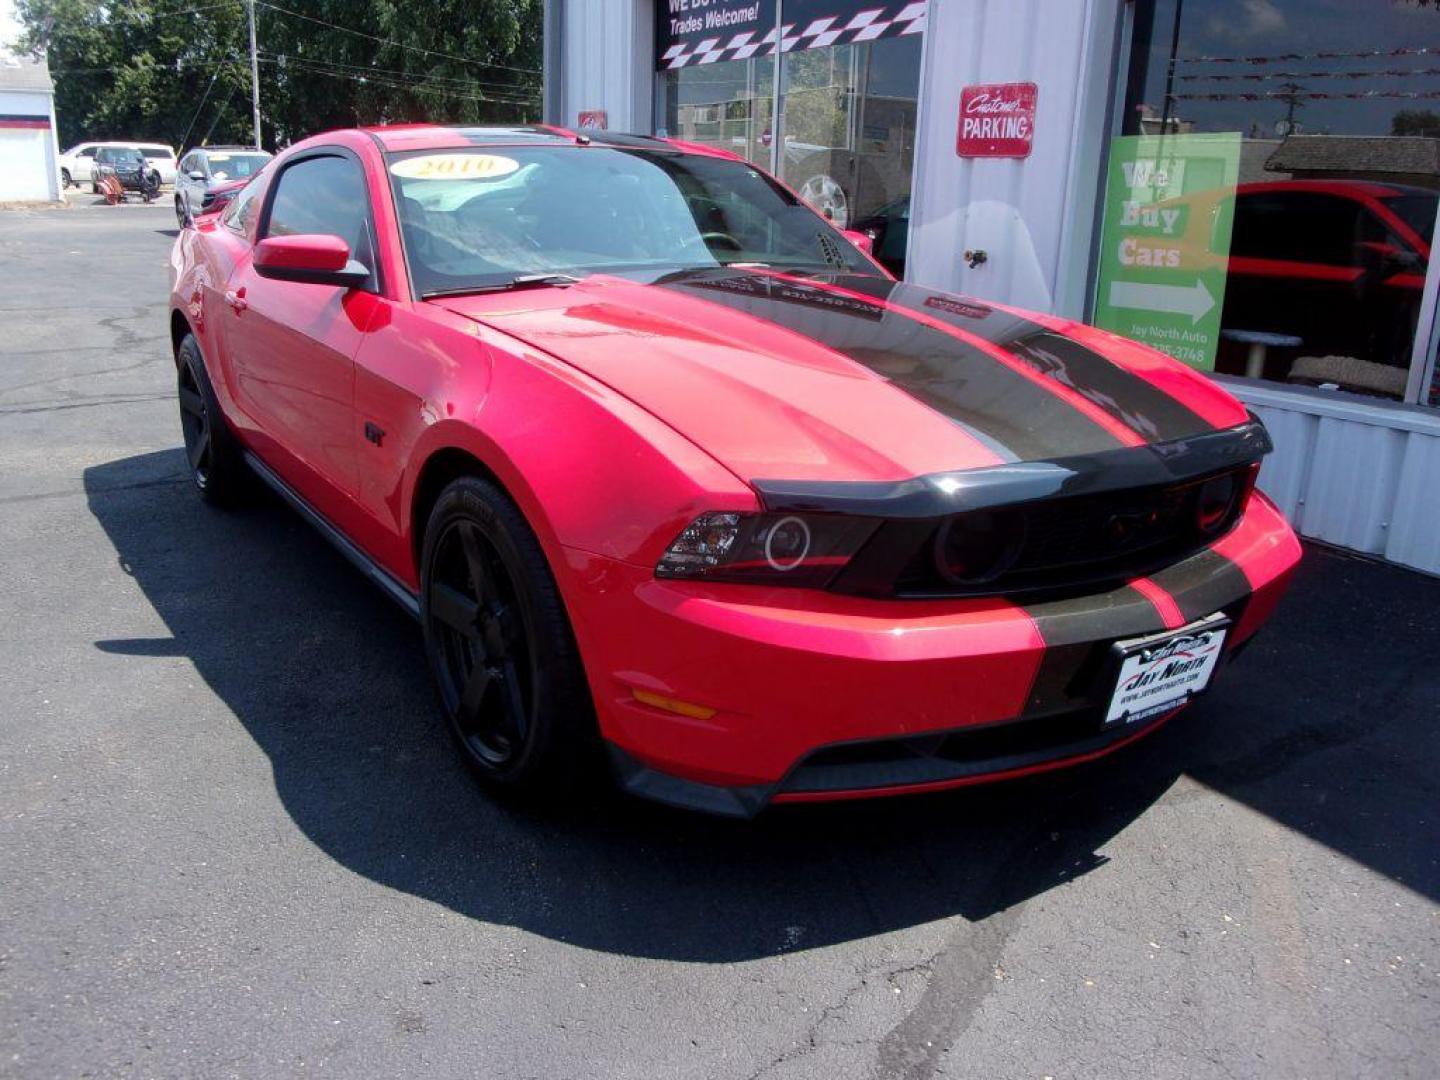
1339	264
128	167
214	200
674	476
889	232
206	168
77	163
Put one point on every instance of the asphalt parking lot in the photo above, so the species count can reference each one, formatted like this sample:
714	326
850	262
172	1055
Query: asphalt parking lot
235	841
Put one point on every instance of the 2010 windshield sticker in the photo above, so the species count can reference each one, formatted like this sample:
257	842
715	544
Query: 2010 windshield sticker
455	167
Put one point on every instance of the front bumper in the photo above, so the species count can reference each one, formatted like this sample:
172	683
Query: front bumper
821	696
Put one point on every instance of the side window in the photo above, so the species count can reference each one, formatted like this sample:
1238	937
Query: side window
1296	226
240	215
89	152
325	195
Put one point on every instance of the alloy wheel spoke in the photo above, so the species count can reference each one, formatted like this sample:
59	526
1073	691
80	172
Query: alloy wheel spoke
191	402
512	704
454	609
199	448
473	545
473	696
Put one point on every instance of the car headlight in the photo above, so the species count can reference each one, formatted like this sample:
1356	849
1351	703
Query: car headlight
804	550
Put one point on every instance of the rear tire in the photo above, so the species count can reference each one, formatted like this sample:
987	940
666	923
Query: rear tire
501	651
217	465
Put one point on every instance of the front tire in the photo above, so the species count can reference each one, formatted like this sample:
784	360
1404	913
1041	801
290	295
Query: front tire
65	181
499	644
217	466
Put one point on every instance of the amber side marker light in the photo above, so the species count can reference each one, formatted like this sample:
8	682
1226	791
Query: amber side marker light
680	708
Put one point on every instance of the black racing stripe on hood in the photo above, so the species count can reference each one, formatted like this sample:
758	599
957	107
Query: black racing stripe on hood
1138	404
1011	414
1077	634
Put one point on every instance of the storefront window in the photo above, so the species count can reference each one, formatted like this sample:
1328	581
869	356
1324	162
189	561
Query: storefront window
848	72
1272	194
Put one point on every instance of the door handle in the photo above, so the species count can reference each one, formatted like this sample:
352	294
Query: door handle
236	299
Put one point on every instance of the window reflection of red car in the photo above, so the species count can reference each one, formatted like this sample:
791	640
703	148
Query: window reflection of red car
1338	263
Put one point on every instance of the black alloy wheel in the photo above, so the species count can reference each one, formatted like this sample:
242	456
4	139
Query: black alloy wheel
499	644
485	661
217	466
195	424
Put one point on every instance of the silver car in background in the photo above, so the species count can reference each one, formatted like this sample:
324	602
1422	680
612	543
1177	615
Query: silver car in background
202	168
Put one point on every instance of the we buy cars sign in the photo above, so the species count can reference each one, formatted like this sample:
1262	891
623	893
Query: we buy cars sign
997	120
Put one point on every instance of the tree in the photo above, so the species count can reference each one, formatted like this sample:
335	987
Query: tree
1416	122
158	69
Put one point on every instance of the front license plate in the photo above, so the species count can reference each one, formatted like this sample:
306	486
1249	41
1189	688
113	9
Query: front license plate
1160	673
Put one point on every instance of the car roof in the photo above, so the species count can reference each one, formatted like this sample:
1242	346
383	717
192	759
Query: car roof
116	142
1346	189
394	138
228	150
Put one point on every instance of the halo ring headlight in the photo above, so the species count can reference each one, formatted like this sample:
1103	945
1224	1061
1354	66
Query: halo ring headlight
787	543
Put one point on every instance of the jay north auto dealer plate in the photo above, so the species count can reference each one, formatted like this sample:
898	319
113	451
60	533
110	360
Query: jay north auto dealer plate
1162	672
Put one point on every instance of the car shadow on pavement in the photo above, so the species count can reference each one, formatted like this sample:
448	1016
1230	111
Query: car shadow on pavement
1324	725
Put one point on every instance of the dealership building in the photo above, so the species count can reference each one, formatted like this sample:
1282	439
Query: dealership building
29	156
1249	185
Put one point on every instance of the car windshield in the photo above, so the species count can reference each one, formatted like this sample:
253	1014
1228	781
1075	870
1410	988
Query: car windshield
482	217
1417	211
113	156
236	166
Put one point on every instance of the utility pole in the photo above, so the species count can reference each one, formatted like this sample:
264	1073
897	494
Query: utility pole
254	72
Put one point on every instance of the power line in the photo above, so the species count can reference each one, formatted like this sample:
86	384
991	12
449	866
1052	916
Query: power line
204	98
1277	57
391	41
362	69
417	84
149	15
412	87
1391	73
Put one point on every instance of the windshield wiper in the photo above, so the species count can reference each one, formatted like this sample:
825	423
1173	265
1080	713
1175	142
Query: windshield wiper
520	281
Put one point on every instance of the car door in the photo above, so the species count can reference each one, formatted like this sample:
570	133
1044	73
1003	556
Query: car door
84	164
190	190
1293	269
291	345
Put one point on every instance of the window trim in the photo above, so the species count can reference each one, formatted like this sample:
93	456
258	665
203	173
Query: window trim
376	284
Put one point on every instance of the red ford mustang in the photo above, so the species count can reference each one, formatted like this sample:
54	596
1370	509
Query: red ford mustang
666	466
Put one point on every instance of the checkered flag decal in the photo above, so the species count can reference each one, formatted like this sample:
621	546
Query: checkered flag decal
890	20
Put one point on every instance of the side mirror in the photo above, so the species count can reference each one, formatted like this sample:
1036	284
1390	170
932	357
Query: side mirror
310	259
196	174
862	240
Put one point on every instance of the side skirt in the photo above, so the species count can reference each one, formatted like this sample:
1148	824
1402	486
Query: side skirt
390	585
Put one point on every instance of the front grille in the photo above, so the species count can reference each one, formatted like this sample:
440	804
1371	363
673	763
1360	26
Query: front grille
1060	544
1073	532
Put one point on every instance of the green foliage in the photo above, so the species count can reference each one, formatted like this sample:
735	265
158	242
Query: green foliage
1416	122
160	70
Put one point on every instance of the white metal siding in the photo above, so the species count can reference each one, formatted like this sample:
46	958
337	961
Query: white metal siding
1361	475
1035	216
29	161
606	62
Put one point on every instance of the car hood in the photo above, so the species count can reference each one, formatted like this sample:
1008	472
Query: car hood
849	377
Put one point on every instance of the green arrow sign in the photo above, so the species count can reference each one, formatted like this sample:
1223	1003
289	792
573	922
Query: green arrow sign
1165	245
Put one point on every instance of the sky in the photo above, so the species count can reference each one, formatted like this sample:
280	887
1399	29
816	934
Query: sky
1261	29
9	28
